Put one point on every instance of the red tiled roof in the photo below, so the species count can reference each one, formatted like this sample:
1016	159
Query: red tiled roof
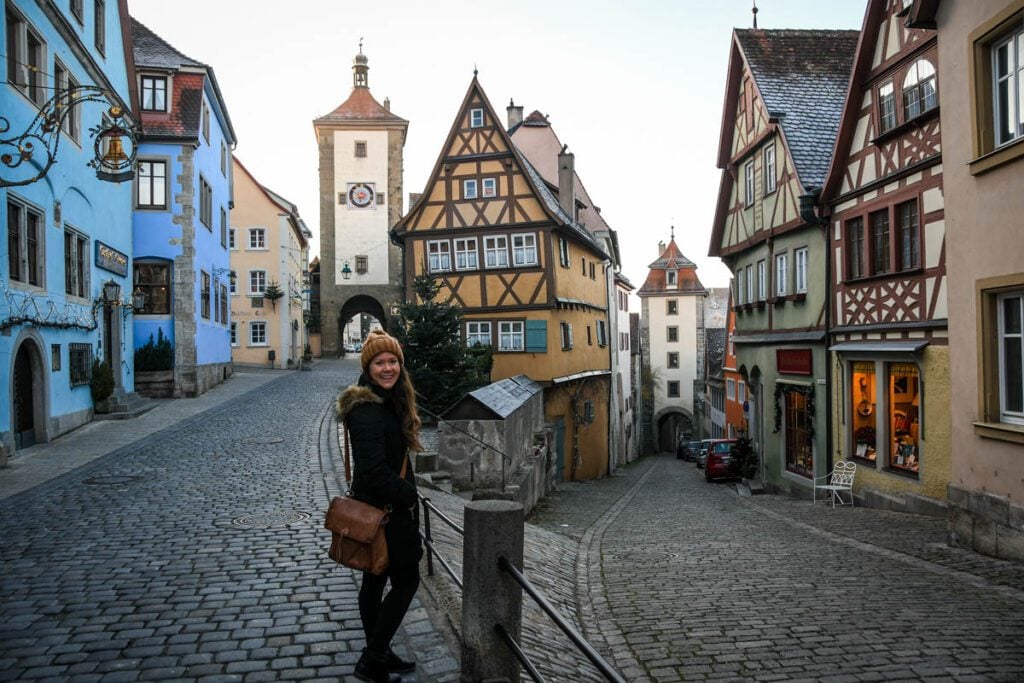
360	106
686	274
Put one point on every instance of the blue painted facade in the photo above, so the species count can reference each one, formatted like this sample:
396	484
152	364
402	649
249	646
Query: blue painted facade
49	302
187	140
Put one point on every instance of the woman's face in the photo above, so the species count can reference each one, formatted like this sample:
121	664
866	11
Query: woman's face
385	369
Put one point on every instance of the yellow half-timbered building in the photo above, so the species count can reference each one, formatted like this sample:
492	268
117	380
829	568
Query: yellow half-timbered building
530	279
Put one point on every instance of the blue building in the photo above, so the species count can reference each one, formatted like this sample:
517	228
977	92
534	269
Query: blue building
68	231
183	195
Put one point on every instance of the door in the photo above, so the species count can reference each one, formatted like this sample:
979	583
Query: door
560	449
24	410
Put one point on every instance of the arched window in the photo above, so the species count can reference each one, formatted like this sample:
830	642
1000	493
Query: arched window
919	89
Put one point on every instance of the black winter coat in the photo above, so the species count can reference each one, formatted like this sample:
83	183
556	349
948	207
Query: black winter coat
378	449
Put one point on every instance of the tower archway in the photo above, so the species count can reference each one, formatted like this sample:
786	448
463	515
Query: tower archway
672	424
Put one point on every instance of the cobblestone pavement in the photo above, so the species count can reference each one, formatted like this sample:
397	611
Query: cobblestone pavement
683	580
195	553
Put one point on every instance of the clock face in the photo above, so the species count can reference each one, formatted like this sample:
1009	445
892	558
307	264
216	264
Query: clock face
360	195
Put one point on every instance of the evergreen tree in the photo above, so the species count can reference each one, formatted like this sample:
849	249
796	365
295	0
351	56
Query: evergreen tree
441	366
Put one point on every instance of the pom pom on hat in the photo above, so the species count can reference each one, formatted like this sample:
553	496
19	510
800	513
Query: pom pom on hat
378	342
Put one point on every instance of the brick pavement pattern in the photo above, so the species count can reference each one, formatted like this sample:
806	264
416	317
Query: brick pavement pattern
195	553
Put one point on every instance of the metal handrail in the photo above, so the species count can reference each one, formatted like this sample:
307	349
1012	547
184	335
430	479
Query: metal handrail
586	648
519	654
428	540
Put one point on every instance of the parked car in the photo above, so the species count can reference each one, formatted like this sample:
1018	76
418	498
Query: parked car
718	458
702	453
688	450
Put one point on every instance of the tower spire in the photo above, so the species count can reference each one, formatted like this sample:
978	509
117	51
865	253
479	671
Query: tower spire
360	69
754	10
672	232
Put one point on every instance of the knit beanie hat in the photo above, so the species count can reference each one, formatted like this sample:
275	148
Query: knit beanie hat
378	342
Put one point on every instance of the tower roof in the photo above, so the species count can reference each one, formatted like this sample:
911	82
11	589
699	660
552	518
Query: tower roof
671	259
361	107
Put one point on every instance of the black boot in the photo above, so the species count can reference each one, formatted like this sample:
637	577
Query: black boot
373	667
397	664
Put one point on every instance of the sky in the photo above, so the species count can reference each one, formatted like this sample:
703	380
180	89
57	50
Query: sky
634	87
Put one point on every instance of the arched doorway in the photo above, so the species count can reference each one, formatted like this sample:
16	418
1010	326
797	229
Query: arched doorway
672	425
356	306
28	415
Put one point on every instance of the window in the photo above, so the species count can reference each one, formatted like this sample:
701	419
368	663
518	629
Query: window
880	241
257	333
476	118
563	252
904	400
206	122
801	270
886	107
496	252
762	280
1011	357
510	336
478	334
232	287
919	89
205	203
1008	86
204	294
100	26
223	289
25	253
76	263
257	238
524	250
26	58
154	93
781	274
566	333
76	10
490	187
466	257
257	282
672	362
741	391
672	389
671	279
672	333
769	169
55	358
362	265
750	283
224	159
469	189
748	176
730	389
151	184
602	333
79	363
234	333
231	239
910	235
855	248
799	446
360	149
739	286
591	264
154	280
63	81
439	256
672	306
223	227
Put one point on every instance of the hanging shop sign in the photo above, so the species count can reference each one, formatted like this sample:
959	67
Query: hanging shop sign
793	361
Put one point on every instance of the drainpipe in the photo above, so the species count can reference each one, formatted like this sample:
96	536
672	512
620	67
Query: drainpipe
814	215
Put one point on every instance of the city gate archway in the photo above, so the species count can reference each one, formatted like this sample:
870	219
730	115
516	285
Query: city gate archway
672	424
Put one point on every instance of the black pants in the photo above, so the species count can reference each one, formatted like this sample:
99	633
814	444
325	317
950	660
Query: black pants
382	617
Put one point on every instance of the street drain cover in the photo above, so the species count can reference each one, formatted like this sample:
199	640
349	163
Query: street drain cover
111	479
264	520
262	439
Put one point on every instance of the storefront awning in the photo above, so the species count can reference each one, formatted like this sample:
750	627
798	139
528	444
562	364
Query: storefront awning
900	346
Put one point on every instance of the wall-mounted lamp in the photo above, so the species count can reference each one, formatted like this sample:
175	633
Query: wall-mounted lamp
111	293
346	272
138	299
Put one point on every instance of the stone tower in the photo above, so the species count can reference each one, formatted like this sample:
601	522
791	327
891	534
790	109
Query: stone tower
360	145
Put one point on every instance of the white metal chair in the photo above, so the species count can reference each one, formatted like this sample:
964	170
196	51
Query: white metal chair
835	482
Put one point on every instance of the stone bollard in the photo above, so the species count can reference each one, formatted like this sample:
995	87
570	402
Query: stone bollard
494	528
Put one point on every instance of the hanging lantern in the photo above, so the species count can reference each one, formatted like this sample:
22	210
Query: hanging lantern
115	149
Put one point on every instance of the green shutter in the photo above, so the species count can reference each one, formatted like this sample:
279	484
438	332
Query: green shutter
537	336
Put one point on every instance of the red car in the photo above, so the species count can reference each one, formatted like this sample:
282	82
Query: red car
719	457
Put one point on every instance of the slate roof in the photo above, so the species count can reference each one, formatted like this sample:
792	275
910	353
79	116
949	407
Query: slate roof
498	399
150	50
714	347
802	76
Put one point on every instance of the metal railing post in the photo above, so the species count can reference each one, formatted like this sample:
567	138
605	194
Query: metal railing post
490	597
427	536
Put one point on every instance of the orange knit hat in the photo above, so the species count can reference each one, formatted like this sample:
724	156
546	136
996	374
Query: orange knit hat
378	342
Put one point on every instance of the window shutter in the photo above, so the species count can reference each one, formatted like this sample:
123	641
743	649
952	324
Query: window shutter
537	336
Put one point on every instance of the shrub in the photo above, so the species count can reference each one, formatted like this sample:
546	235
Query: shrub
743	461
101	383
155	356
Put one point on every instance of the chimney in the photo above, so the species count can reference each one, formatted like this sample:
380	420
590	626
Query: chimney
566	184
387	104
661	248
515	114
413	198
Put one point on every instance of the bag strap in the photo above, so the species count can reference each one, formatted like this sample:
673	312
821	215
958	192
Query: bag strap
348	465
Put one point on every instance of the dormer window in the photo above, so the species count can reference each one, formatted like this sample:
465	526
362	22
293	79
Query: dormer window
919	89
886	107
476	118
671	279
154	93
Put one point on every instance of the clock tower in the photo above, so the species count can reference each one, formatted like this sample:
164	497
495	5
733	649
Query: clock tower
360	146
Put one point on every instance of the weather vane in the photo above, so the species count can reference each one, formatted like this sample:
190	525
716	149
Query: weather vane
754	10
361	42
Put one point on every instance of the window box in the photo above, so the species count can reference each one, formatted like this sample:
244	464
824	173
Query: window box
761	304
748	307
776	300
798	297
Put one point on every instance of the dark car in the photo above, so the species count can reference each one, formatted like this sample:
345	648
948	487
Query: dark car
688	450
718	459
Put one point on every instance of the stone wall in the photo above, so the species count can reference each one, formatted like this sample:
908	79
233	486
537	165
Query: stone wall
987	523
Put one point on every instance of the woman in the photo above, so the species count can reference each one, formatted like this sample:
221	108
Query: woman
383	424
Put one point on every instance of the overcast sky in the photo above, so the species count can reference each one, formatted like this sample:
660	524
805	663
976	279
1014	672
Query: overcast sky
634	87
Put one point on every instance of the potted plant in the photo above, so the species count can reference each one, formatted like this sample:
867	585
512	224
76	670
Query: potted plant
101	384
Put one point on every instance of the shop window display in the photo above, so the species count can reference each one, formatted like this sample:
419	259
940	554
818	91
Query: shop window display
862	388
799	453
904	389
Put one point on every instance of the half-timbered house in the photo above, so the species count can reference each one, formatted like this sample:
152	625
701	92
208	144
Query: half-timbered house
530	279
887	236
784	96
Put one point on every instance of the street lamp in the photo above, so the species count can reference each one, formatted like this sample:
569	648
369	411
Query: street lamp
346	272
111	293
